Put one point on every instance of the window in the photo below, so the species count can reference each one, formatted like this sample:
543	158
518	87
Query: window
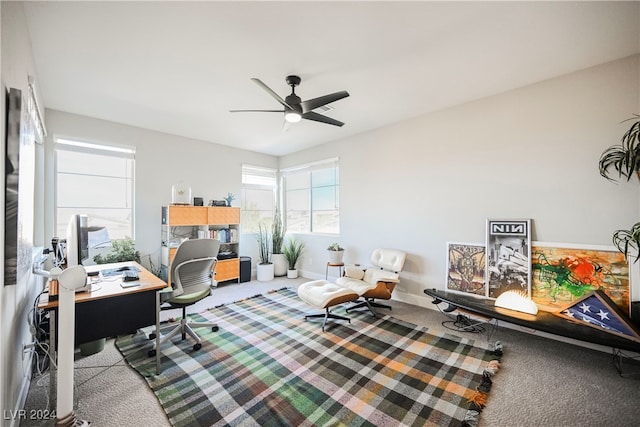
258	197
312	198
96	180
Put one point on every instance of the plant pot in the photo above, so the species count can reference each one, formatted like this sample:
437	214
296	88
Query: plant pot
280	264
335	257
292	274
265	272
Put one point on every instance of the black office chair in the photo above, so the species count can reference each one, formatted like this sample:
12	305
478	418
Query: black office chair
191	274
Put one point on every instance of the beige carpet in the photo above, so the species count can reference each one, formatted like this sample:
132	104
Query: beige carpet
546	382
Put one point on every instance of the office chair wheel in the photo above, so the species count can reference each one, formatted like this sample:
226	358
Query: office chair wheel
151	353
214	329
152	336
197	347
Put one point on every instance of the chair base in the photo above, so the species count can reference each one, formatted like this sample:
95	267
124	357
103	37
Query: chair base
326	316
369	303
184	328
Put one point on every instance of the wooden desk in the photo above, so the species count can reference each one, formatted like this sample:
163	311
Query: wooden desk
109	309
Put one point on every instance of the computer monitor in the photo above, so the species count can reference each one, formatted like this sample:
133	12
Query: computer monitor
77	240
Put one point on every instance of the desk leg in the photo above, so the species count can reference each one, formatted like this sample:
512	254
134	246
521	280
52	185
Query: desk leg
53	360
158	356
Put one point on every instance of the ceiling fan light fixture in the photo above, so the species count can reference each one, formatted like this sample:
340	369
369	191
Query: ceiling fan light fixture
292	116
295	109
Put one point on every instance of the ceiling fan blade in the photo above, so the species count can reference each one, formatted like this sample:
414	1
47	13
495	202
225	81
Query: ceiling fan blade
256	111
312	104
270	92
320	118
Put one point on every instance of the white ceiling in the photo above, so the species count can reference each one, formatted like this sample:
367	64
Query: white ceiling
179	67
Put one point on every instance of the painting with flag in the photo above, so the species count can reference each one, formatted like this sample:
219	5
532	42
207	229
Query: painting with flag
599	311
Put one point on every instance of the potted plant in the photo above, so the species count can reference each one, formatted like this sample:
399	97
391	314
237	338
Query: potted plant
121	250
624	158
292	251
335	253
265	266
627	241
277	239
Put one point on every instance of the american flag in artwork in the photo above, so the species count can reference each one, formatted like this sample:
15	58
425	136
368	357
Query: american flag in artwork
598	310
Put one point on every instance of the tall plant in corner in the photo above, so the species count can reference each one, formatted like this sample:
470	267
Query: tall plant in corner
264	267
292	251
263	244
624	159
277	239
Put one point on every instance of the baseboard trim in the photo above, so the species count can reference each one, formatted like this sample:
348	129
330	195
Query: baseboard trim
18	414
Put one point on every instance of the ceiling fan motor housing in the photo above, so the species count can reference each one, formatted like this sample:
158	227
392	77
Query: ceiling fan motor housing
293	81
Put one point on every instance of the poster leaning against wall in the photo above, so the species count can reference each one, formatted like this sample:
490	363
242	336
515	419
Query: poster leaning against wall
466	263
508	256
564	273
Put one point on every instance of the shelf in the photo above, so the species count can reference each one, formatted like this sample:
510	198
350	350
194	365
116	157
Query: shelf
210	219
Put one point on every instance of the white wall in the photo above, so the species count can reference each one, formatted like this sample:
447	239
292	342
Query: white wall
16	300
212	171
528	153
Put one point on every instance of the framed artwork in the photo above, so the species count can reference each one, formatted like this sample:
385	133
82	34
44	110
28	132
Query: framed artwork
508	256
466	263
19	187
597	310
565	273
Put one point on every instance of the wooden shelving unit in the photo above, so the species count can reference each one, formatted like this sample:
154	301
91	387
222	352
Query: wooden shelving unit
192	222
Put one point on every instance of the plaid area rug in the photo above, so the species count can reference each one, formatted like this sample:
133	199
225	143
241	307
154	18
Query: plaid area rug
267	366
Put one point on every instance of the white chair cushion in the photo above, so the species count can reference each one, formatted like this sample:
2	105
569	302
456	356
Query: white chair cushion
354	272
388	259
374	276
357	286
321	294
370	280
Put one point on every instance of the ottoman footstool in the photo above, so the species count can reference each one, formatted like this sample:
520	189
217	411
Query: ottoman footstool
323	294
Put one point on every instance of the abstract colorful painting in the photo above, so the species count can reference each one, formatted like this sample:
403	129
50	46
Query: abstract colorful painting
508	256
563	274
465	268
597	310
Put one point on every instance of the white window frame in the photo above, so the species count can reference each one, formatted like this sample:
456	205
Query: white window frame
88	147
309	168
262	179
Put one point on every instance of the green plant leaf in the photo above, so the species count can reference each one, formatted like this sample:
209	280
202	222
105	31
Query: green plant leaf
623	158
121	251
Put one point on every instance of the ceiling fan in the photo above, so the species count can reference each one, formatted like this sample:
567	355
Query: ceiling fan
295	109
